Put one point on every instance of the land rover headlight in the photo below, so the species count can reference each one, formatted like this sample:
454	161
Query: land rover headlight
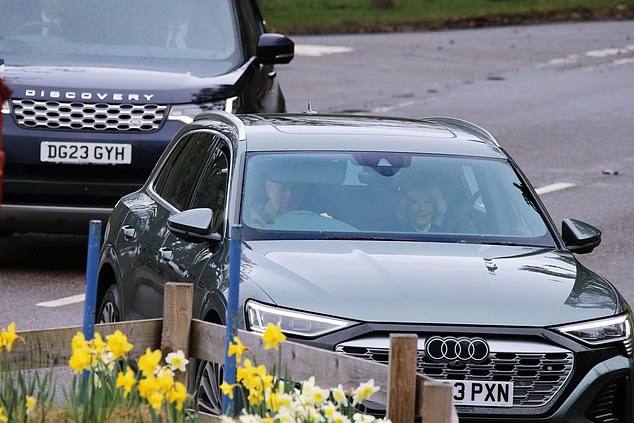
187	112
5	107
291	322
603	331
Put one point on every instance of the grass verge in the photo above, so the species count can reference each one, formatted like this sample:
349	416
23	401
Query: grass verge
357	16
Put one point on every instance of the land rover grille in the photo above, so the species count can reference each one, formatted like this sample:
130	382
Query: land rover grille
80	116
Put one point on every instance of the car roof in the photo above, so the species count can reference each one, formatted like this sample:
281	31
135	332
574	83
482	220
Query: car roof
339	132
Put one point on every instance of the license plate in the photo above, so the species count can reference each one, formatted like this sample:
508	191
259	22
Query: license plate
85	153
482	393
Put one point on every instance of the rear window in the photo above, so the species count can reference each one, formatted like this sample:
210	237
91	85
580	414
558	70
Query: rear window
389	196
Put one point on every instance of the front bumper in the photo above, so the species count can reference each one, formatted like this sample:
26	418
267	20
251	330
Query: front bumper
594	387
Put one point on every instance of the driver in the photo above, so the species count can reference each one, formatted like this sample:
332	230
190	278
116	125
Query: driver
283	197
52	17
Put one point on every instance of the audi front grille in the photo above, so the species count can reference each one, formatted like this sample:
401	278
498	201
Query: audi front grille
103	117
538	371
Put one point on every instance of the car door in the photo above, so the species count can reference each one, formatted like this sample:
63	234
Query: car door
169	193
185	261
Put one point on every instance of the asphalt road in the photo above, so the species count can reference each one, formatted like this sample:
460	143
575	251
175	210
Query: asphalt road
558	97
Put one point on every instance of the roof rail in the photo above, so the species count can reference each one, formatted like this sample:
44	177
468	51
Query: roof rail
486	135
225	117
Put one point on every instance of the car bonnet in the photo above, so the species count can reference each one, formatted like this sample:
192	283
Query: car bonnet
429	283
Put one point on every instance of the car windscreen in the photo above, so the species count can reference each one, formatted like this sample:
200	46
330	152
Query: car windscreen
389	196
199	36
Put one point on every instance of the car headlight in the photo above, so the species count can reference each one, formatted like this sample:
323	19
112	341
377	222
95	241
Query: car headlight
5	107
187	112
291	322
603	331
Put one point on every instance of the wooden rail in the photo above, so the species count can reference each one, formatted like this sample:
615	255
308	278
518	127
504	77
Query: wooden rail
405	392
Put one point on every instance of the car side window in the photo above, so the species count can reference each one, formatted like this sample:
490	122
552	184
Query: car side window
211	191
176	180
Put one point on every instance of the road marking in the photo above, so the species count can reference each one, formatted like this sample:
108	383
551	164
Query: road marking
607	52
553	187
388	109
318	50
63	301
619	56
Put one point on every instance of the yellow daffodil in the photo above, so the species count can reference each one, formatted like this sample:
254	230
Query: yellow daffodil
81	359
97	346
118	344
245	371
149	361
3	416
178	395
79	342
272	336
285	401
177	361
30	404
236	348
255	396
7	338
363	392
147	386
155	400
126	381
165	379
227	389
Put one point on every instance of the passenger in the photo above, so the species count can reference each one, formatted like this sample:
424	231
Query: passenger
421	209
282	197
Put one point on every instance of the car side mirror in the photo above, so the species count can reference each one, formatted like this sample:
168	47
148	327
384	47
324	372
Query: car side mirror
193	225
275	48
580	237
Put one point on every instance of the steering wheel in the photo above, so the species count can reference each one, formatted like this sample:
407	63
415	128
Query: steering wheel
33	27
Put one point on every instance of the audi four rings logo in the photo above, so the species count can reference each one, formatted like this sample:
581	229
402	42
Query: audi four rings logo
449	348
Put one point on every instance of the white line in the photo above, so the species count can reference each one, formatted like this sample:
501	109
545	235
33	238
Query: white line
319	50
553	187
63	301
388	109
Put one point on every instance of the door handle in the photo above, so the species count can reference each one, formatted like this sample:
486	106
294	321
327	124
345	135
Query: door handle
166	254
129	232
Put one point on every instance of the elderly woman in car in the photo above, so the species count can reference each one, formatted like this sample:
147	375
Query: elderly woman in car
421	208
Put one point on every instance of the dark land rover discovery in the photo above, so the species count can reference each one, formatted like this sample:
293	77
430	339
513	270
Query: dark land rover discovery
99	88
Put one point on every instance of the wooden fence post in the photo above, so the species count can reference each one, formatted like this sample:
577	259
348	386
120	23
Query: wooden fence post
437	404
177	320
401	394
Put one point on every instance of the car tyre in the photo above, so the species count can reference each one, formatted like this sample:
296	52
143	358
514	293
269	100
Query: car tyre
110	309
